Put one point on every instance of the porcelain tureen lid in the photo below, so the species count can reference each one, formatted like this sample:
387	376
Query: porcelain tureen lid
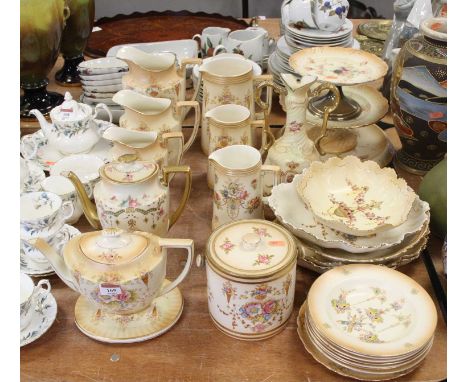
251	249
70	110
127	169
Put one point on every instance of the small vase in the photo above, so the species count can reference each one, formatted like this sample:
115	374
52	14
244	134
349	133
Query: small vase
74	39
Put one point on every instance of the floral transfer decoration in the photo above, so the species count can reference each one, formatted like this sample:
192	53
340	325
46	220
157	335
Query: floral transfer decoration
234	196
263	259
227	246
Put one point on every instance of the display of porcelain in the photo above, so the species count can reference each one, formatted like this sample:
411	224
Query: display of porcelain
35	148
354	197
30	298
317	14
72	130
419	97
145	113
64	188
146	145
246	42
133	195
210	38
41	319
228	80
251	277
119	272
31	176
293	213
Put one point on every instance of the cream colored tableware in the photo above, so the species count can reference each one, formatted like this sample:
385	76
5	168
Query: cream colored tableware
251	276
64	188
31	176
324	15
162	115
133	195
354	197
42	214
227	80
247	42
293	213
120	273
210	38
73	129
238	183
146	145
30	298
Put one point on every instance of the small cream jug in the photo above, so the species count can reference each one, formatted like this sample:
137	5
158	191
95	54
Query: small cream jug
238	183
228	80
131	195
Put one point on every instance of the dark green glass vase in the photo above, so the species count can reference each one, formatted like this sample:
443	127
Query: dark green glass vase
74	39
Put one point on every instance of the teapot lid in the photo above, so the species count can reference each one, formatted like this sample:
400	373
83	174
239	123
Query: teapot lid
113	246
70	110
250	249
127	170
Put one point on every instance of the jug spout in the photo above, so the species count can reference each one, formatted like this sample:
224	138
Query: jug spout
46	127
130	138
89	208
156	62
57	261
297	84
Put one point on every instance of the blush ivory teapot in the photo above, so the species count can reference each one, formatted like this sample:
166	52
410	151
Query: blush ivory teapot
73	129
133	195
118	272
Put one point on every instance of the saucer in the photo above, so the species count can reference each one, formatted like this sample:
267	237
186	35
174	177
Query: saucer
42	319
35	177
158	318
47	156
41	269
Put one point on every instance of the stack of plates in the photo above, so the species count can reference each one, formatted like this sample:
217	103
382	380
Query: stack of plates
323	245
101	79
367	322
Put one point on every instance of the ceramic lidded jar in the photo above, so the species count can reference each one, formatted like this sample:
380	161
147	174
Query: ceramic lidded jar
251	276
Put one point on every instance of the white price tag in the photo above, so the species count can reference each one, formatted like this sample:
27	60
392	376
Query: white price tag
109	290
97	29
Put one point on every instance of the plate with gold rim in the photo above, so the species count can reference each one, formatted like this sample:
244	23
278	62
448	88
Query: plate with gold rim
371	310
376	29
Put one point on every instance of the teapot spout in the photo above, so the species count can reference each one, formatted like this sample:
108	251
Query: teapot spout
56	261
89	208
45	126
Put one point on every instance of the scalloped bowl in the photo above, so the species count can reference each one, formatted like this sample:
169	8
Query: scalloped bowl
354	197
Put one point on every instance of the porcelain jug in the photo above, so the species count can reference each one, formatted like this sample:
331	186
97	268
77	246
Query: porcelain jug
133	195
73	129
238	183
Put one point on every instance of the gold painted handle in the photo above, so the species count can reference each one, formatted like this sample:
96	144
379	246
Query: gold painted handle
179	138
275	170
196	124
188	61
328	109
188	186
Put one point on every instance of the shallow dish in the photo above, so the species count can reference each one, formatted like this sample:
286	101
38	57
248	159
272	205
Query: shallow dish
97	96
293	213
345	29
106	65
354	197
91	101
100	77
92	82
102	88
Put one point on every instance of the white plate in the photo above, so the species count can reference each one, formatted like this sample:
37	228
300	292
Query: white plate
182	48
100	77
106	65
102	88
105	101
346	28
42	319
115	81
98	96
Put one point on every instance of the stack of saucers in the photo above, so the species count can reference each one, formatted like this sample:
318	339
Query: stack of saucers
101	79
367	322
344	211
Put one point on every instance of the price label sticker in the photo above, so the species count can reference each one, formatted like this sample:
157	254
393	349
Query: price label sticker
109	290
277	243
97	29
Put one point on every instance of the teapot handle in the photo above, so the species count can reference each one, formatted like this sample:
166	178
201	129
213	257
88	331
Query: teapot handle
105	108
196	124
188	187
186	244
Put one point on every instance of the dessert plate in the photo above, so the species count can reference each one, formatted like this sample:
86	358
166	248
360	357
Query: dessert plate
354	197
102	88
106	65
101	77
346	29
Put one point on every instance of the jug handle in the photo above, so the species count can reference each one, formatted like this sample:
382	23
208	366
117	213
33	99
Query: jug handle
167	171
186	244
188	61
276	171
336	100
179	137
196	123
269	139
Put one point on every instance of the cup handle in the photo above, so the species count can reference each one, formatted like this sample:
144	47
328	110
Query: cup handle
219	49
167	171
67	210
197	37
188	61
45	292
196	123
28	147
105	108
186	244
179	138
276	171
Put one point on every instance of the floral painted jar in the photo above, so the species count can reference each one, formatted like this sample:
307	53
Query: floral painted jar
251	276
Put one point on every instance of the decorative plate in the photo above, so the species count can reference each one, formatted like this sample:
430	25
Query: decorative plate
338	65
371	310
376	29
354	197
319	34
106	65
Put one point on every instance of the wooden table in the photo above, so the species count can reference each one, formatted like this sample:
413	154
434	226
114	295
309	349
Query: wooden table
194	350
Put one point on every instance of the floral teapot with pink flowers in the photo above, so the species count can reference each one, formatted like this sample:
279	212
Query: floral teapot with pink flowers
133	195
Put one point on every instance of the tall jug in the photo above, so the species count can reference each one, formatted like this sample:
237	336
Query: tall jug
238	183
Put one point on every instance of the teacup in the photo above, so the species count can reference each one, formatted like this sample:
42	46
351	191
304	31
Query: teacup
42	213
85	166
247	42
29	297
267	41
64	188
210	38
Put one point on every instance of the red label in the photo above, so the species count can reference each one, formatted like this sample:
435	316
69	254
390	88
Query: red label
277	243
